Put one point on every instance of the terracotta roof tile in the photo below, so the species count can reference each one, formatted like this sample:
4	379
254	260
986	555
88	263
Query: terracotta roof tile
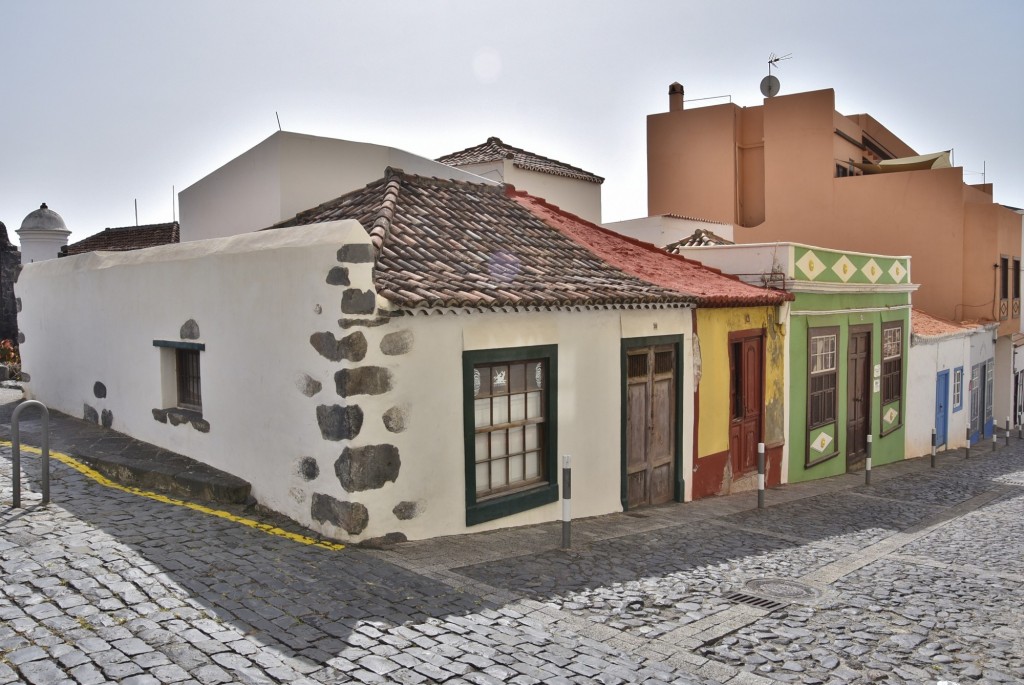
444	243
710	287
700	238
927	326
494	150
126	238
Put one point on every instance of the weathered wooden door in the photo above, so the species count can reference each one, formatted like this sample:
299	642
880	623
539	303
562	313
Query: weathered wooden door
941	395
650	425
858	405
747	402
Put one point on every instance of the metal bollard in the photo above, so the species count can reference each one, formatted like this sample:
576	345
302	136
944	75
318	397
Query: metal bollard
968	453
867	464
566	501
1007	431
760	475
933	448
995	438
44	455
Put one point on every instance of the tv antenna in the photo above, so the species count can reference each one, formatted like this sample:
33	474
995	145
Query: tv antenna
770	84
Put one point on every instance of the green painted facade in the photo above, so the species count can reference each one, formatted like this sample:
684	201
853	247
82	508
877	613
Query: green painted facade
818	265
821	452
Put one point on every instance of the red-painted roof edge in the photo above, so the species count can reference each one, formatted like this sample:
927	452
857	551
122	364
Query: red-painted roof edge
512	192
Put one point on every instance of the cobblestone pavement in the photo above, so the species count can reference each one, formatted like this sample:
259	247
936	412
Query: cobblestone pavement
917	578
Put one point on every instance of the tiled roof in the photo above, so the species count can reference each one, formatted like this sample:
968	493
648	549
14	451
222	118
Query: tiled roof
685	217
700	238
444	243
494	150
126	238
927	326
710	287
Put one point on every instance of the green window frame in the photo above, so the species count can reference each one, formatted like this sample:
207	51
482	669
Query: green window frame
510	421
823	359
893	345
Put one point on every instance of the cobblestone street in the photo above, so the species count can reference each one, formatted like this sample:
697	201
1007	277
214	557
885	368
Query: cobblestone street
915	579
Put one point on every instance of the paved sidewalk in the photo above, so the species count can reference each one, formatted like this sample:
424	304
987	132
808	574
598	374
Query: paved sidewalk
917	578
122	458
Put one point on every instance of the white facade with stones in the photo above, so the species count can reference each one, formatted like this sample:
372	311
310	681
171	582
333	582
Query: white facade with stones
343	414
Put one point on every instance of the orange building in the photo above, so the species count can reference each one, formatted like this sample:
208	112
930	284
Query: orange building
795	169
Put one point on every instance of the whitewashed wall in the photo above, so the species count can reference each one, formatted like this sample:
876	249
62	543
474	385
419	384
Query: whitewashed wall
428	389
285	316
574	195
662	230
256	299
927	358
1003	397
288	173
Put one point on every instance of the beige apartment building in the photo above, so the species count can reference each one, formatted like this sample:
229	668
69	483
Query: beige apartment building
794	169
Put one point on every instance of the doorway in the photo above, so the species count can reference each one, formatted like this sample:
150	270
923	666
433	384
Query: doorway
941	416
858	405
650	425
746	399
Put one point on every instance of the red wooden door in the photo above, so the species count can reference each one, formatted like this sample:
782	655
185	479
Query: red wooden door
650	425
747	401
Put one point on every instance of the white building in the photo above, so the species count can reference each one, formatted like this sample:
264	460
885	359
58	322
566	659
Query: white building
285	174
568	187
42	235
411	359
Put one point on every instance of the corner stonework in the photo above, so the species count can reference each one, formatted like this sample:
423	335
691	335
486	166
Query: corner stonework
352	517
367	468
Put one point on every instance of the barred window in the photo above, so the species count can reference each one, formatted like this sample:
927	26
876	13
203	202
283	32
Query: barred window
892	362
822	378
181	380
190	394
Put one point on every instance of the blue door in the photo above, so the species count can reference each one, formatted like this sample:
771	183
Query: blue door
941	401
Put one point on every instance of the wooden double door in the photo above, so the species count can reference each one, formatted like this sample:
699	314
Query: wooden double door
650	425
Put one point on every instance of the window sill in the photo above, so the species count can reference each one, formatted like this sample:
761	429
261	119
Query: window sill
177	416
517	502
882	434
808	463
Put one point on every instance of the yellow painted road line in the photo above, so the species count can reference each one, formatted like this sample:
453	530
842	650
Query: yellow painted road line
228	516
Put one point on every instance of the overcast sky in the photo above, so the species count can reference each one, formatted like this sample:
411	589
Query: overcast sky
105	102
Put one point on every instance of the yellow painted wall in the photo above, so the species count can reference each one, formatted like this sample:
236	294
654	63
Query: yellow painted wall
713	328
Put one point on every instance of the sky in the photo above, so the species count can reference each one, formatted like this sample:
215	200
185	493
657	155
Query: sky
107	103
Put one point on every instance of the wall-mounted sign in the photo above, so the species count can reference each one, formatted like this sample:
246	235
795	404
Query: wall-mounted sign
878	372
878	385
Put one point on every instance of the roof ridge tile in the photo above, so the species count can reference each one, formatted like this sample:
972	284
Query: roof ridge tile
494	149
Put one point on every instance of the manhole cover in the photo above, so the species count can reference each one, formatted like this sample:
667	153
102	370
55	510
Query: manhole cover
783	589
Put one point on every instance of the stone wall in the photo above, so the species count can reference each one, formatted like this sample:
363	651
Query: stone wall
10	264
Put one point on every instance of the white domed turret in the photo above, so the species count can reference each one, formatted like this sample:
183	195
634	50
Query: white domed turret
42	234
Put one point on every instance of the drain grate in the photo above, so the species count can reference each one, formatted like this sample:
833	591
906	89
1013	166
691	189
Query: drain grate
751	600
633	514
782	588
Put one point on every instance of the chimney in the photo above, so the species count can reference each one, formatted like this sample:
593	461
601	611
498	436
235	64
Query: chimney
675	97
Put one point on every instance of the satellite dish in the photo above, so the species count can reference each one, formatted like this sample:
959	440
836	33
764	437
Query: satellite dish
770	86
